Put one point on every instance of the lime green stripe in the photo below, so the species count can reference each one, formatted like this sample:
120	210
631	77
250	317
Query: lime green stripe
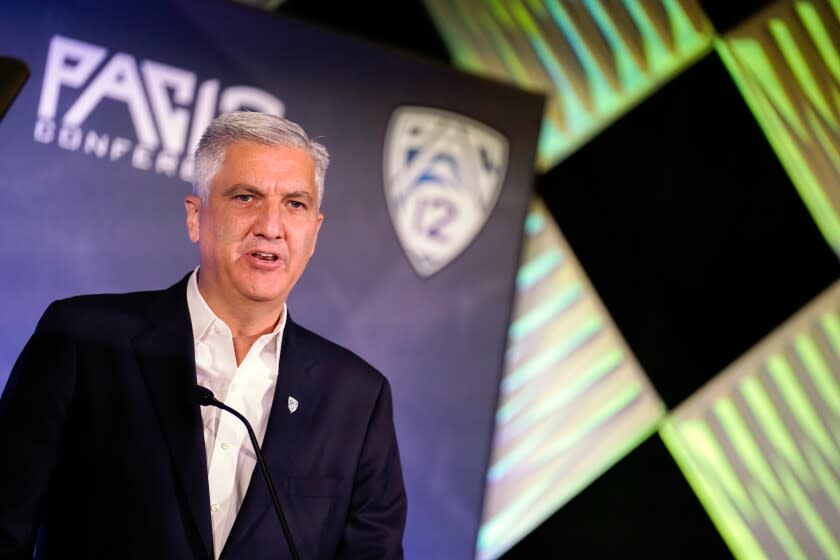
519	74
793	55
534	223
822	39
820	372
748	451
562	349
630	75
773	426
812	520
696	451
687	38
656	52
541	448
777	526
827	480
558	398
582	381
600	415
830	324
825	141
762	75
539	268
703	444
599	86
801	406
547	310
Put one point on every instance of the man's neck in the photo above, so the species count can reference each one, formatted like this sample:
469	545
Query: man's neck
247	322
245	318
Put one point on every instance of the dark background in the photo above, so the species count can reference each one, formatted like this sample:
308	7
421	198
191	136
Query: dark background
694	237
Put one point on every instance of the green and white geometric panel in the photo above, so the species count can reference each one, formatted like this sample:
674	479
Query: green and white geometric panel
760	444
573	397
593	59
786	62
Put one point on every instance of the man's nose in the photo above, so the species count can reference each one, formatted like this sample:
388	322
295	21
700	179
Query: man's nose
269	220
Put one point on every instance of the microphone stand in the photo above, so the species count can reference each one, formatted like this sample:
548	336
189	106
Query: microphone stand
204	397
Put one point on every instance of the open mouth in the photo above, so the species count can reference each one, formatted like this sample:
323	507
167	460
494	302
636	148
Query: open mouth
267	257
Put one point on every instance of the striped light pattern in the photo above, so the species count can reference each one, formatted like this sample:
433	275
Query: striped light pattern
785	61
595	59
573	398
760	444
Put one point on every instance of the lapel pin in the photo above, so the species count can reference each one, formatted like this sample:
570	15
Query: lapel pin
293	404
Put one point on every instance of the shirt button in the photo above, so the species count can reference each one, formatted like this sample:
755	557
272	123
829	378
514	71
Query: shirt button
214	507
233	387
225	446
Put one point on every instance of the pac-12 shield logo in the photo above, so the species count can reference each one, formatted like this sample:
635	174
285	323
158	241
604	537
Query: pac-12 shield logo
443	175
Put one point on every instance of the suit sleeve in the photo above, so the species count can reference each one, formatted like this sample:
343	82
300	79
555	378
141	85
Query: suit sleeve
378	505
33	412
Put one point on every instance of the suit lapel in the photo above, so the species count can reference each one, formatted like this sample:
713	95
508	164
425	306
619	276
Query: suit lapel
166	354
285	434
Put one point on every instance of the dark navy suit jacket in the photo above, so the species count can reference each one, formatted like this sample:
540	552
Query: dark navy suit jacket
102	451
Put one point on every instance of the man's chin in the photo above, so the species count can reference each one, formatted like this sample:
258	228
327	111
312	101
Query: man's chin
264	288
266	297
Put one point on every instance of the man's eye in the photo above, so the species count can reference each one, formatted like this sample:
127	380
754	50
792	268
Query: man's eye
296	204
244	197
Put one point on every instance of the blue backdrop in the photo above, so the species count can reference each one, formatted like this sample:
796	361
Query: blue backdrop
93	169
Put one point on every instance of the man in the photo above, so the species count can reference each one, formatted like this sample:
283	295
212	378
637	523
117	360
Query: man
103	446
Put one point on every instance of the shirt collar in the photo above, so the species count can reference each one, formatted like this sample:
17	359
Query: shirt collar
202	317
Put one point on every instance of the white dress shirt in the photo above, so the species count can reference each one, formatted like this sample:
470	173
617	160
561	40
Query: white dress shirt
248	388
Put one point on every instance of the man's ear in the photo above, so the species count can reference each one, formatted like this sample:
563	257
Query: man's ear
192	204
317	229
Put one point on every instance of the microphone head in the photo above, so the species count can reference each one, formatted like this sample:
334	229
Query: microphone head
203	396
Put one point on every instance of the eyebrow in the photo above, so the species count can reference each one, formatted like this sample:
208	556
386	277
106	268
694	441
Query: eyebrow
254	190
299	194
240	187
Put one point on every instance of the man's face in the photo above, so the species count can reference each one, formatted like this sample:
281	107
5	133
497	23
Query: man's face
258	227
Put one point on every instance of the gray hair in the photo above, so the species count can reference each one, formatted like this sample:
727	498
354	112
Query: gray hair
249	126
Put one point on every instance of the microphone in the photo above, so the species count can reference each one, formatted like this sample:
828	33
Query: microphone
204	397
